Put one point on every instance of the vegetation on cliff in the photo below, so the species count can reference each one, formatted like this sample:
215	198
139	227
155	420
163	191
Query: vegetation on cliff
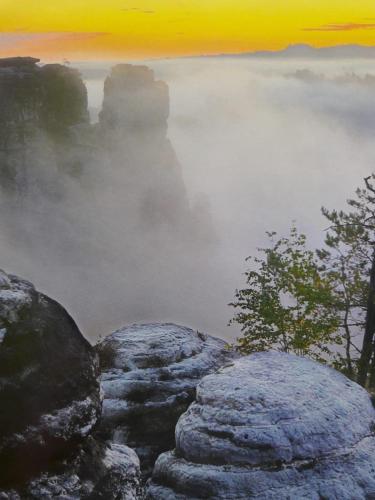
320	304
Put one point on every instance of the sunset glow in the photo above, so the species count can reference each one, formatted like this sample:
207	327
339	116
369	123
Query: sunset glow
79	29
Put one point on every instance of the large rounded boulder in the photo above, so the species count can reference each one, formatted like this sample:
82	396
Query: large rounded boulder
150	373
272	426
49	390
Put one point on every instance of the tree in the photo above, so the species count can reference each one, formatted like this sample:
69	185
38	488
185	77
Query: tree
345	261
289	303
295	302
349	260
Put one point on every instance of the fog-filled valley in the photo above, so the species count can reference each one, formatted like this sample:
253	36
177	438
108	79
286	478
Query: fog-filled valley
152	230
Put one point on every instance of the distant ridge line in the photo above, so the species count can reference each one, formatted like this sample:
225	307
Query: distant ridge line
305	51
300	51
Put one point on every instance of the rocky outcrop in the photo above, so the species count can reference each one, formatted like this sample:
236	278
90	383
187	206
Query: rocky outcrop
134	101
150	373
79	201
133	129
49	405
272	426
49	394
39	108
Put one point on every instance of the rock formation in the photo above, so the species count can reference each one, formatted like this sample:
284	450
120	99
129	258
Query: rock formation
49	404
272	426
39	108
97	471
45	133
134	101
149	379
133	132
266	426
79	201
49	394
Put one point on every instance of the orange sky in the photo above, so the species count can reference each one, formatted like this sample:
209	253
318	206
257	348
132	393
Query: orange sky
85	29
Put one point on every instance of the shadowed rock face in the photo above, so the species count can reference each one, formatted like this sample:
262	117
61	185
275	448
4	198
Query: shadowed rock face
49	394
97	471
39	105
49	405
272	426
21	62
49	97
149	379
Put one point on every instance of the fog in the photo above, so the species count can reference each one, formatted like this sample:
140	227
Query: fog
260	144
268	149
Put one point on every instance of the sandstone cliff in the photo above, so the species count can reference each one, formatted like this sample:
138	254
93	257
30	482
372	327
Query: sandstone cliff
85	206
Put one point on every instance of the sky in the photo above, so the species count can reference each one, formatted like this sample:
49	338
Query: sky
134	29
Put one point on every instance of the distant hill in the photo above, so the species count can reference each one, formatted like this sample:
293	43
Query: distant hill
304	51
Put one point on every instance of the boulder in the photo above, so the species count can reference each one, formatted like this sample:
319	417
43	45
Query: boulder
120	479
50	402
272	426
149	377
49	393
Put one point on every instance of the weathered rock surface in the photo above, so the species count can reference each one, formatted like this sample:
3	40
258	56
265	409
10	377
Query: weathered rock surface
49	404
49	394
272	426
97	471
149	379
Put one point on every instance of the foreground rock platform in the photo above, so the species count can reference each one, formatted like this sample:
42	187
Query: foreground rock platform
149	377
272	426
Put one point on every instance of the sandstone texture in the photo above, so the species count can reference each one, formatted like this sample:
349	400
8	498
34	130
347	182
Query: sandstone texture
272	426
150	373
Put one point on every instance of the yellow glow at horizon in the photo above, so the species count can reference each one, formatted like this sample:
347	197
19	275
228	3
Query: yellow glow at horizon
142	28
